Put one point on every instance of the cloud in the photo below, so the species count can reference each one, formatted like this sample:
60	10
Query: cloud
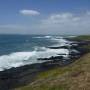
60	18
57	23
67	23
88	12
29	12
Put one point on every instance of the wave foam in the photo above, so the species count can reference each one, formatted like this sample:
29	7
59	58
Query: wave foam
43	37
17	59
22	58
60	41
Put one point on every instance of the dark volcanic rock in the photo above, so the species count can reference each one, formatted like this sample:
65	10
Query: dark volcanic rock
59	47
19	76
72	46
52	58
23	75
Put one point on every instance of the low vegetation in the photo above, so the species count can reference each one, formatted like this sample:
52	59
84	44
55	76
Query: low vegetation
75	76
82	37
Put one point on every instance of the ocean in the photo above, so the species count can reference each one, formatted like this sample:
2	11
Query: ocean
19	50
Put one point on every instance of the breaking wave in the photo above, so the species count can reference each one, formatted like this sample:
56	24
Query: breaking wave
22	58
17	59
43	37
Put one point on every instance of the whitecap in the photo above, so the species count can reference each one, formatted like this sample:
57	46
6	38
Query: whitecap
17	59
43	37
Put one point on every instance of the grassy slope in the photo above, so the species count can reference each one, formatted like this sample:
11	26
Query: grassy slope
82	37
76	76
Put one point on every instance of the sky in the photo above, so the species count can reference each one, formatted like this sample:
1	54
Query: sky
45	17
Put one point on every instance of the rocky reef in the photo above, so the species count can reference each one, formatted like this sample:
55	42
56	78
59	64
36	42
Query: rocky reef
23	75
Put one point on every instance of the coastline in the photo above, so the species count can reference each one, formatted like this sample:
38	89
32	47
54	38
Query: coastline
16	77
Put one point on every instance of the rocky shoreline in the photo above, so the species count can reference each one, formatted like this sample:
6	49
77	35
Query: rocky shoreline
23	75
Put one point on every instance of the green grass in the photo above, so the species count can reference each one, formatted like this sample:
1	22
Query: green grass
45	87
87	46
63	78
75	76
82	37
53	72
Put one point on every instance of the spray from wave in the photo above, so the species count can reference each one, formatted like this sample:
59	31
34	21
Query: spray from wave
17	59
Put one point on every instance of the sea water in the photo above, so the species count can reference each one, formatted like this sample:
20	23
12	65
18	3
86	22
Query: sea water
19	50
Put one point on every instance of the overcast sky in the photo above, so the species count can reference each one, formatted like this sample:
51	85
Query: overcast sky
44	16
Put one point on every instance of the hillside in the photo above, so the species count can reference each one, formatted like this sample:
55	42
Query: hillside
82	37
75	76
